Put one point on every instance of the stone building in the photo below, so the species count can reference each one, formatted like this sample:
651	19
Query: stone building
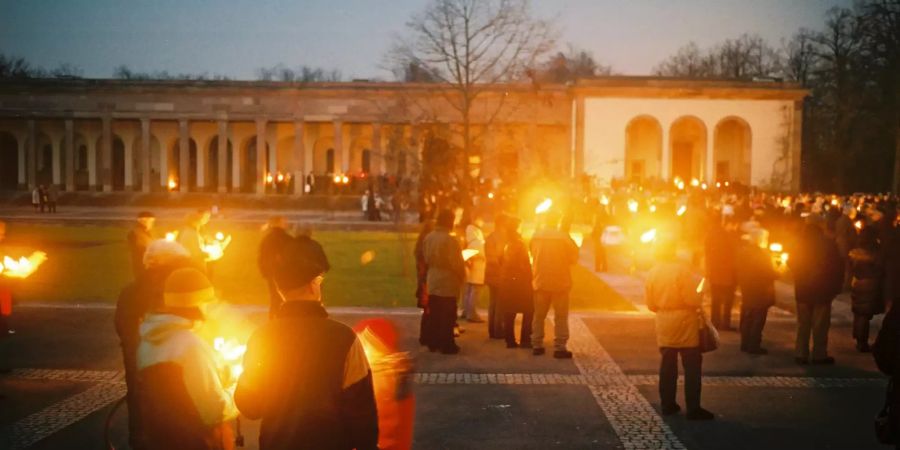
237	136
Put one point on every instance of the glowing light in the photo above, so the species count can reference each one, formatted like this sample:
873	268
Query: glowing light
703	186
172	184
786	203
367	257
681	210
653	208
232	353
695	182
700	285
577	237
543	206
834	202
468	253
220	236
776	247
215	250
726	184
648	236
858	224
269	178
783	258
280	177
490	195
337	179
632	205
718	184
604	200
22	267
344	179
171	236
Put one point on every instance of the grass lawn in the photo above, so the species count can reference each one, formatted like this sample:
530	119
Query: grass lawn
91	264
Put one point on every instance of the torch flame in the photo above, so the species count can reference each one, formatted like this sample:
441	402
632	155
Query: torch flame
171	236
216	249
681	210
776	247
172	184
633	205
695	182
784	258
700	285
22	267
231	352
604	200
858	224
344	179
649	236
544	206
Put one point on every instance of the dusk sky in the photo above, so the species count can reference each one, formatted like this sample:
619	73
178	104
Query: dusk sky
236	37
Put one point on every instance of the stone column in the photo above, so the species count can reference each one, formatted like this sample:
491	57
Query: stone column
377	150
129	166
106	154
56	162
237	159
21	143
260	156
666	163
145	155
578	158
184	156
223	156
342	154
70	154
299	158
92	164
31	155
202	160
710	173
796	145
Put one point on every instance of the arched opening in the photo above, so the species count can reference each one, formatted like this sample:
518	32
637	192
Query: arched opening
44	160
643	149
118	164
366	161
212	165
9	162
175	164
329	161
248	164
732	150
81	159
688	145
138	156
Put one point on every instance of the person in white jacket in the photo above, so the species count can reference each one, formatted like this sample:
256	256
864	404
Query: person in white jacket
475	266
184	403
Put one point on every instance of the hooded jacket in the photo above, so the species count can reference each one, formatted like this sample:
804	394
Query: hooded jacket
183	402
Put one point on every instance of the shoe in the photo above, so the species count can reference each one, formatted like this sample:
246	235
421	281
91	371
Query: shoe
700	414
538	351
801	360
758	351
826	361
671	409
476	320
511	345
562	354
451	350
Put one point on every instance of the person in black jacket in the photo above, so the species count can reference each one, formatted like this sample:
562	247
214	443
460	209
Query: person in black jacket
756	278
818	278
138	239
516	293
867	271
305	375
269	257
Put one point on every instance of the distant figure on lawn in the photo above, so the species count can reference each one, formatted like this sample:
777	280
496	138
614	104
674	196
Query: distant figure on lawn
36	198
139	239
52	198
191	236
446	274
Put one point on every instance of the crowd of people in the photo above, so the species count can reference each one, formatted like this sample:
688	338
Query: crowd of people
44	198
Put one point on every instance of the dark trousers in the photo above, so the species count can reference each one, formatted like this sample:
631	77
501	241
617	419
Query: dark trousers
495	319
752	322
722	303
441	318
51	207
132	396
692	361
861	328
813	319
509	327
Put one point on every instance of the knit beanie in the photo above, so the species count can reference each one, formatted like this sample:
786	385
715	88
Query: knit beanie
187	288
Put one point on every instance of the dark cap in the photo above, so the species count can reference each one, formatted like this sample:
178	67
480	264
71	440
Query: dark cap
298	262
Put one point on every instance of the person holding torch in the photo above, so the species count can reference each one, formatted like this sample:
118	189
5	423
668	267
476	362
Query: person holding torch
306	376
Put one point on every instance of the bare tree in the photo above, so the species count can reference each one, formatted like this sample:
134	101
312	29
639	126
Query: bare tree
744	57
799	57
469	45
302	74
569	66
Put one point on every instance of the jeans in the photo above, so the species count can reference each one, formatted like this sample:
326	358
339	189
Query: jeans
470	299
813	319
442	317
752	322
542	302
692	361
722	303
861	328
509	327
495	318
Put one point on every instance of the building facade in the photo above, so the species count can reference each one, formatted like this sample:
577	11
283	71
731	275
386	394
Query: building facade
241	137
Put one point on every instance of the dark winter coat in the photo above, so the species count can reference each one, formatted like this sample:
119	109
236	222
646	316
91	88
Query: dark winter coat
139	239
494	246
866	292
296	380
516	294
721	247
817	268
756	277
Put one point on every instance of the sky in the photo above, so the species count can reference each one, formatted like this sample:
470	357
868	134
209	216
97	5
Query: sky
236	37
